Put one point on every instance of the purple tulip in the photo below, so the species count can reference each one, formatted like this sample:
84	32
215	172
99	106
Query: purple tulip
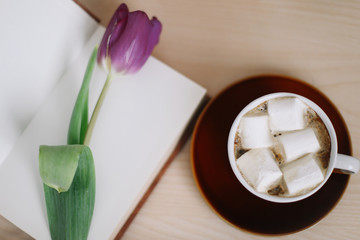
128	41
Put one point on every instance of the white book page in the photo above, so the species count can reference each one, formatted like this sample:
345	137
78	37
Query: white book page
39	40
141	121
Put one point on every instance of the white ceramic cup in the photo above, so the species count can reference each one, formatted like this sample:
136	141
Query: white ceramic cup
345	164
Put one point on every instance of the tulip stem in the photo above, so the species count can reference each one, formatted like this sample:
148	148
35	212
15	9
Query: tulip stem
97	110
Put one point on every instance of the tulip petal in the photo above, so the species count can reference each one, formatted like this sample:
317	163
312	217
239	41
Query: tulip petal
153	39
131	44
119	26
114	29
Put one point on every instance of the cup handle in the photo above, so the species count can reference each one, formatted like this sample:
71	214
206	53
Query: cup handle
347	164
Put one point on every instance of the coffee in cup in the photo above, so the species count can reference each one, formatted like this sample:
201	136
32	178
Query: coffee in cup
282	147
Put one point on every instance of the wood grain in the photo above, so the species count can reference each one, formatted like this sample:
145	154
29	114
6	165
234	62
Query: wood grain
218	42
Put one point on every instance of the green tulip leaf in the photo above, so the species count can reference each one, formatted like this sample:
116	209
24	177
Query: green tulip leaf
70	213
79	118
58	164
68	173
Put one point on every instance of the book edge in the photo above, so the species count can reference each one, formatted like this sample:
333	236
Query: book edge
90	13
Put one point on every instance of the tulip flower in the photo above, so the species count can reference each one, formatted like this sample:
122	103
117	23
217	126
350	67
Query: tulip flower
68	171
128	41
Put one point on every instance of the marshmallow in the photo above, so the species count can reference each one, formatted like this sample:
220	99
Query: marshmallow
259	168
297	144
286	114
254	131
302	174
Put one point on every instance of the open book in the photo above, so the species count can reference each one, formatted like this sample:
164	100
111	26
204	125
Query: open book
45	48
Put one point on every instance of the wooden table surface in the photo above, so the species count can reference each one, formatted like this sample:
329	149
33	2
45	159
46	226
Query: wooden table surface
218	42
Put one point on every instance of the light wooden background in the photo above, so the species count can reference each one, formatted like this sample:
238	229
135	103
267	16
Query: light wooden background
218	42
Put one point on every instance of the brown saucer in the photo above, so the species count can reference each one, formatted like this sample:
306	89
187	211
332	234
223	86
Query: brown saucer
219	186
